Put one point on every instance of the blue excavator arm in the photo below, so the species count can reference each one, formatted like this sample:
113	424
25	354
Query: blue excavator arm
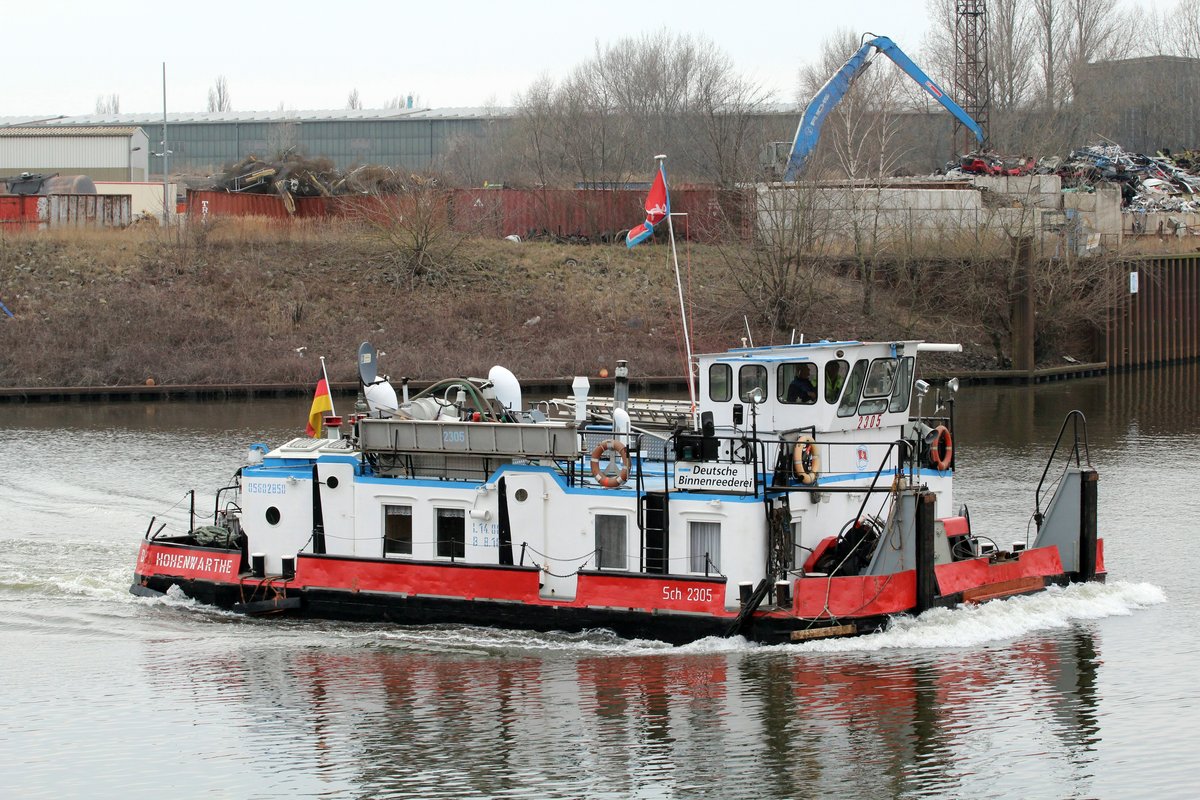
836	87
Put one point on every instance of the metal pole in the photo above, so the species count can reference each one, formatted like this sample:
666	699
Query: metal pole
687	339
165	152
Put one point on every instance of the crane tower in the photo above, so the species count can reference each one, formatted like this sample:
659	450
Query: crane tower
972	86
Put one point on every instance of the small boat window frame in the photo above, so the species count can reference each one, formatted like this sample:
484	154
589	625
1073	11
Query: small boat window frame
758	380
853	388
877	387
696	562
454	546
604	558
902	392
836	370
790	371
720	376
386	511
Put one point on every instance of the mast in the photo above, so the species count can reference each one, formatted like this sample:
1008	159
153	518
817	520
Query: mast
687	340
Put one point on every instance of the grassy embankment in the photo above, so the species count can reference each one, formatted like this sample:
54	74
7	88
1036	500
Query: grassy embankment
251	302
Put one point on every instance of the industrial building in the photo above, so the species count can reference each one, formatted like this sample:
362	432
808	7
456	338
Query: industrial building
203	143
110	152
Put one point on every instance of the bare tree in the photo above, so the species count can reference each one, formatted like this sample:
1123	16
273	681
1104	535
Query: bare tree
353	101
1179	30
634	98
778	271
414	215
108	105
407	100
1011	49
218	96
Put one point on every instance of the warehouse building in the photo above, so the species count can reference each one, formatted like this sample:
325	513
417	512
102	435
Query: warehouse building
203	143
110	152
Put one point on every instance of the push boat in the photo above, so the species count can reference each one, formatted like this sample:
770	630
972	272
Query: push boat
803	493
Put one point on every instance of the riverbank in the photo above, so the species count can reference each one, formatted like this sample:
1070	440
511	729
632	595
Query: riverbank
546	386
244	307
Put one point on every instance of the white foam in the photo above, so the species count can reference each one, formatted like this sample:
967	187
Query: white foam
967	626
472	639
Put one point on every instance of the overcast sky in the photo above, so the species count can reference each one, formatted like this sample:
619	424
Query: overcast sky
60	56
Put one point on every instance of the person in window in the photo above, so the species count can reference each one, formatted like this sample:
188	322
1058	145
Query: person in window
835	376
801	389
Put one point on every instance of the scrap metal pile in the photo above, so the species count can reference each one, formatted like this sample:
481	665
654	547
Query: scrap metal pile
1162	182
1148	183
292	175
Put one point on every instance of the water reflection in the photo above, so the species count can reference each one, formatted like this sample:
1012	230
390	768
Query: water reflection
753	723
219	705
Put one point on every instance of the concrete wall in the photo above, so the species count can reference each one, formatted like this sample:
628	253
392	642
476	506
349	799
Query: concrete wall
146	197
991	211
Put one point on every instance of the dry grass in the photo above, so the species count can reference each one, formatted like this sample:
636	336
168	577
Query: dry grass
256	301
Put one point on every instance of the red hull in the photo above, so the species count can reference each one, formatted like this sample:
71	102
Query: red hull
514	592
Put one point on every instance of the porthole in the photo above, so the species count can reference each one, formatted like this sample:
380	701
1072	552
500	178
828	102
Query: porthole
273	515
331	482
521	495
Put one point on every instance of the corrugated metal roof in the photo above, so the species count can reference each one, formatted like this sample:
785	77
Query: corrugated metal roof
317	115
4	121
46	130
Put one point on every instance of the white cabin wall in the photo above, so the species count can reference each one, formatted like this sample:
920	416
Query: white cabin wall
337	509
292	497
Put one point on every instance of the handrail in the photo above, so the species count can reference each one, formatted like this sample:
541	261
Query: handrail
882	463
1078	417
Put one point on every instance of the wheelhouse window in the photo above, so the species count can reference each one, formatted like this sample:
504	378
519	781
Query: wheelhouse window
397	530
752	378
849	405
877	389
704	547
720	383
611	541
902	392
835	379
451	533
797	383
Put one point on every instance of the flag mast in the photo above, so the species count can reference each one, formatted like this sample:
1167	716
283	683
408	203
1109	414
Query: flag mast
687	340
328	387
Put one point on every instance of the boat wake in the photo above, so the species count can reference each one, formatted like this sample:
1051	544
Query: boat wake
968	626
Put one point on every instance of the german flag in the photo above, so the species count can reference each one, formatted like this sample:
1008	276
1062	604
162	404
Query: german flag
321	403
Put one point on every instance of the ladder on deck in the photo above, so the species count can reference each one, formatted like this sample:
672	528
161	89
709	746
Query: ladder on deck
652	513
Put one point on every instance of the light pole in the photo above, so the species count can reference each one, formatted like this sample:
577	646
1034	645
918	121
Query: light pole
165	156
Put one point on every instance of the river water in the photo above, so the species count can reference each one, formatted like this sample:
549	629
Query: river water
1084	692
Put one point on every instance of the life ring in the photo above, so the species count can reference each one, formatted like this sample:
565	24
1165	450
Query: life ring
806	449
941	449
611	481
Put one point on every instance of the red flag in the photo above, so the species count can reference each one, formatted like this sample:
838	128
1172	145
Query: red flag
658	208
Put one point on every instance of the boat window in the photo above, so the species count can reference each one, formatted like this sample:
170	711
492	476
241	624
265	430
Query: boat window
273	516
451	533
902	393
610	541
704	547
797	383
397	530
835	378
849	405
751	378
878	386
720	383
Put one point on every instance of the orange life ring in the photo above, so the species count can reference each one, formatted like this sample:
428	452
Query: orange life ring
941	449
611	481
806	449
